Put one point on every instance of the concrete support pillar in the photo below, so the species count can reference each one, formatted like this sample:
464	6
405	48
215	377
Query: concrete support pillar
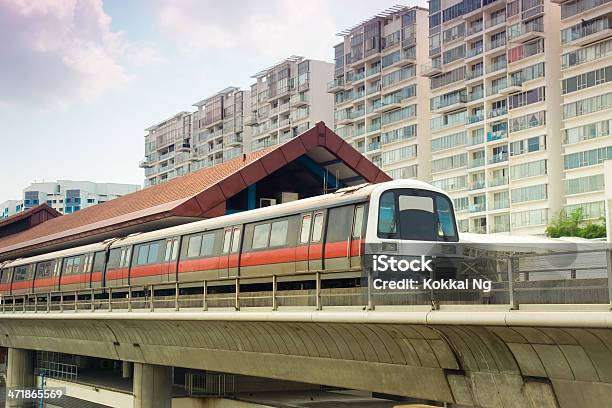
19	372
152	386
127	369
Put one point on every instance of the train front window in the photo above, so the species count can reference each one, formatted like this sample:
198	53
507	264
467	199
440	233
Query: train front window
418	215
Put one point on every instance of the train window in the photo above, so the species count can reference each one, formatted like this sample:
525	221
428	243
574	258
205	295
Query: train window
126	259
261	235
168	251
6	275
175	249
235	239
44	269
76	268
153	252
386	214
114	258
317	228
98	263
21	272
227	237
143	254
446	224
278	237
358	221
305	234
208	244
193	248
340	220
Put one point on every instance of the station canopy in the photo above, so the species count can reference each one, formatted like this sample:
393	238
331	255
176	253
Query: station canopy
314	162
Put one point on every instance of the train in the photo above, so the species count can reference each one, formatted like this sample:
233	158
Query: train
330	233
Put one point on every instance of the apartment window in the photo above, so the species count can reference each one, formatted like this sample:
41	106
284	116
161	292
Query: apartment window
448	163
586	28
531	193
461	203
587	158
444	121
399	75
587	80
584	184
452	183
406	132
403	153
456	75
399	114
391	58
526	50
533	144
528	121
404	172
529	218
453	12
526	98
590	211
449	141
453	33
527	74
501	200
587	132
453	54
587	106
587	54
530	169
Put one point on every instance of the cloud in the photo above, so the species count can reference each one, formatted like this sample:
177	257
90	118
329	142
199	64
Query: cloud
272	28
59	52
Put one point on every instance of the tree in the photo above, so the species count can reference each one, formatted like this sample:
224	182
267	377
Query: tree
574	225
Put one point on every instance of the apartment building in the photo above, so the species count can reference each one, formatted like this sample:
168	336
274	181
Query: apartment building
219	127
496	114
287	99
380	100
66	196
168	150
586	67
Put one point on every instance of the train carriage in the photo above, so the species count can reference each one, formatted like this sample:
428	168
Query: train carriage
330	233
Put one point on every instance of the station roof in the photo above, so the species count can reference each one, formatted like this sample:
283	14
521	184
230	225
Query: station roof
198	195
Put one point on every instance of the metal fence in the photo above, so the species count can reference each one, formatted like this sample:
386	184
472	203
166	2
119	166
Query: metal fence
515	280
210	384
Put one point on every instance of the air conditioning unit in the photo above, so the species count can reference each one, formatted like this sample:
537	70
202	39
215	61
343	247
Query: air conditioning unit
267	202
286	197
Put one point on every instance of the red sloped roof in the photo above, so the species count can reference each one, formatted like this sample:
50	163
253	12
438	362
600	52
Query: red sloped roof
192	195
51	213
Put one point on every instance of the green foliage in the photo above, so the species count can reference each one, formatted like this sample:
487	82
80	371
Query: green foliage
574	225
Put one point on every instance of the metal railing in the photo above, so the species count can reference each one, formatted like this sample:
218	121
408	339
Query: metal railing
528	278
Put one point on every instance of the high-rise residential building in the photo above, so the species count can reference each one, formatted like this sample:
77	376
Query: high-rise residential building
496	140
66	196
219	130
186	142
586	67
168	150
287	99
380	99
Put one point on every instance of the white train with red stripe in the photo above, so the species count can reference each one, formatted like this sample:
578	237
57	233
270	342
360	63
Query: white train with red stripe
328	233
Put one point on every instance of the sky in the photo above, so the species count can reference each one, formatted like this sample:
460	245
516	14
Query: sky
80	80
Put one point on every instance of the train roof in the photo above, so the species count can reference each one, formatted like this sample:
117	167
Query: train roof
100	246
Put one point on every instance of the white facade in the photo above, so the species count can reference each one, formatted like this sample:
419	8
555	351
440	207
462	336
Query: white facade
67	196
10	207
496	118
289	98
380	97
586	67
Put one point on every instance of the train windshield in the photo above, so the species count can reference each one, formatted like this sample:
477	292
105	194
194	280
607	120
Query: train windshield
418	215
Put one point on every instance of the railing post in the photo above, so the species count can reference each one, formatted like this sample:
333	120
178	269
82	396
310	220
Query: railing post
237	305
152	302
25	298
48	302
318	289
76	299
370	292
176	296
129	298
609	269
91	298
35	303
274	289
3	303
511	293
110	299
204	297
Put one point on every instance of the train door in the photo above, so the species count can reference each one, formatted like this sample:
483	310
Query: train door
170	257
338	238
85	275
230	252
309	252
357	234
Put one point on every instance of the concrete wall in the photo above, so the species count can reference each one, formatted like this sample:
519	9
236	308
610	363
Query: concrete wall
482	365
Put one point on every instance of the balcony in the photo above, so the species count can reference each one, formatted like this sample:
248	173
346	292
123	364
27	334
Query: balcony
284	107
479	162
498	88
283	123
493	23
498	135
373	147
477	185
373	70
234	140
497	112
457	101
475	74
499	158
470	31
434	68
579	7
501	204
146	164
496	44
182	147
588	33
497	66
476	139
356	77
498	181
525	33
335	85
480	207
474	119
475	95
473	52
